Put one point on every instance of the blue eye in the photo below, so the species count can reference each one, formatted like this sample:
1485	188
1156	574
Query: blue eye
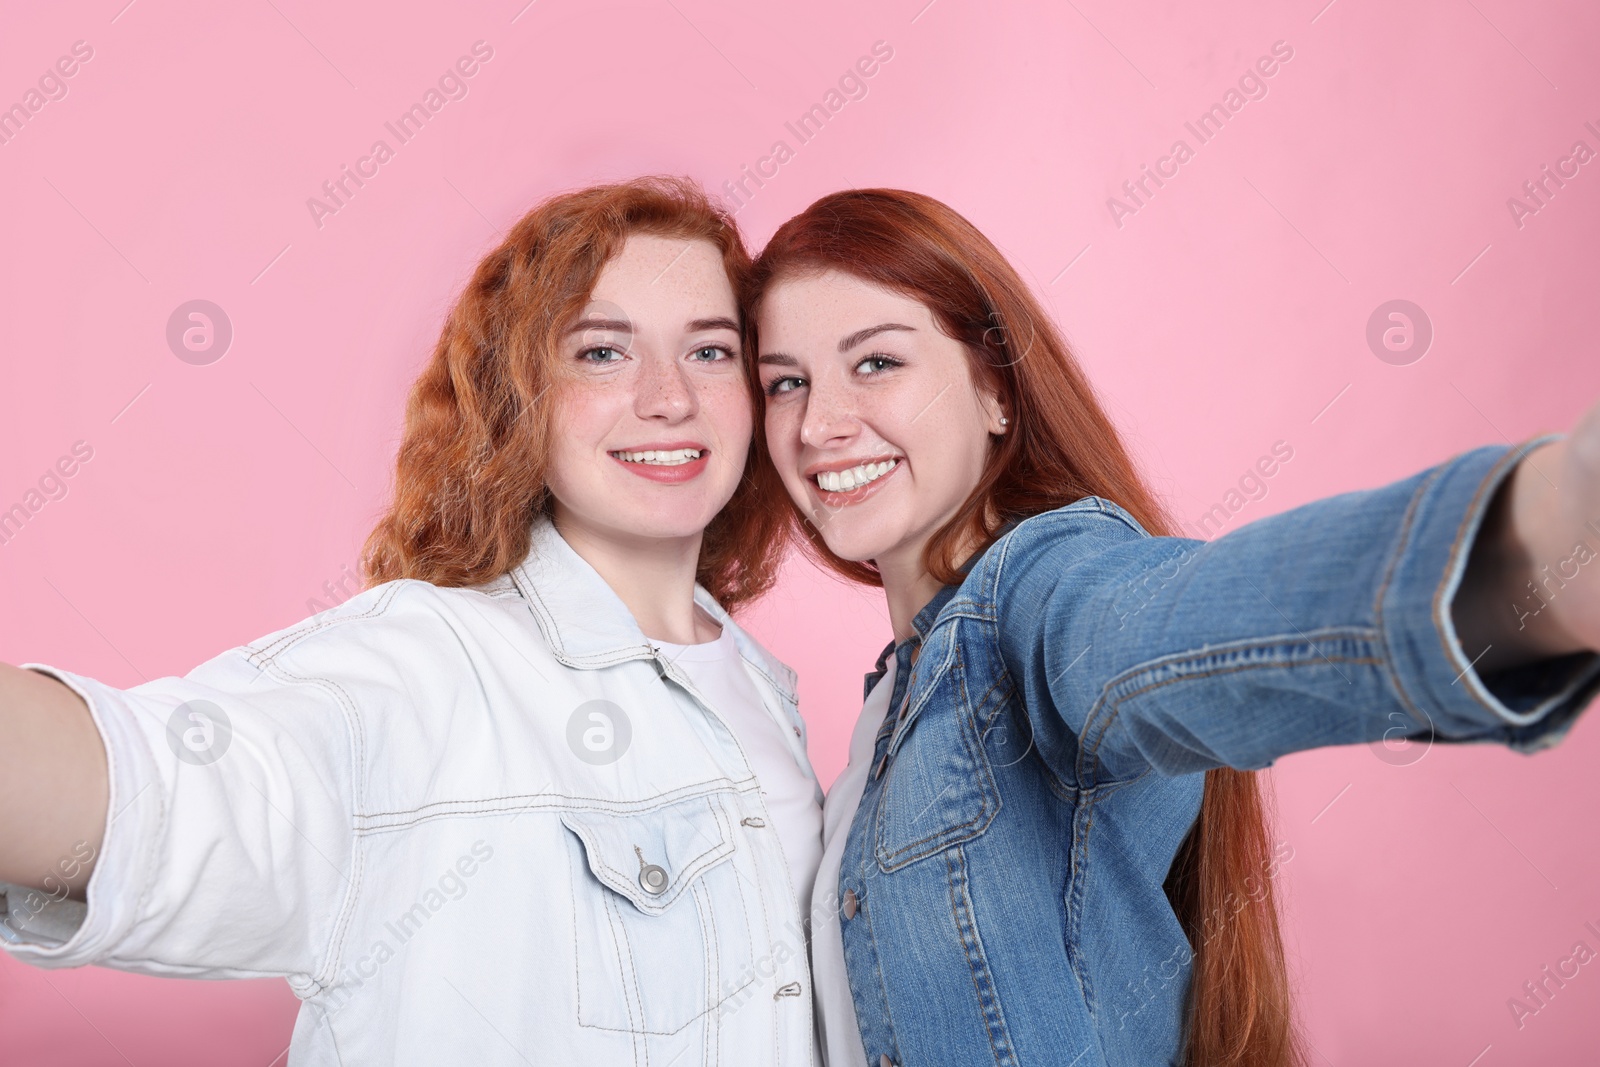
600	354
784	385
717	352
877	363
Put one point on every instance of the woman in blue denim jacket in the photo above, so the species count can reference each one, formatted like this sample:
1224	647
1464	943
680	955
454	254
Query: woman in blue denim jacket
1049	847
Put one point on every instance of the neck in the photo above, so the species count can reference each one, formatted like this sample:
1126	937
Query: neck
653	577
908	587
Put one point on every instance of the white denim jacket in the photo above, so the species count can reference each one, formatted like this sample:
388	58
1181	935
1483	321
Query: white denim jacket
488	826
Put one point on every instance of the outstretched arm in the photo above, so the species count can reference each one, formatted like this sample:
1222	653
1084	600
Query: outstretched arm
1332	623
53	784
1532	585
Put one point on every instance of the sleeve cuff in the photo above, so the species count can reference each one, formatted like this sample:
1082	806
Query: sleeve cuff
69	933
33	917
1527	708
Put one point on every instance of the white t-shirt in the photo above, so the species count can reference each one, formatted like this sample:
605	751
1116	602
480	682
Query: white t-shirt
836	1012
790	795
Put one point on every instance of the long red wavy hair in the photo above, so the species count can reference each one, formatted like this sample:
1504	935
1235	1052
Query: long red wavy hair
470	474
1061	447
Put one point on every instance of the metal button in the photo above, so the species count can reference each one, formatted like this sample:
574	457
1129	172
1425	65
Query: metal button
849	903
653	878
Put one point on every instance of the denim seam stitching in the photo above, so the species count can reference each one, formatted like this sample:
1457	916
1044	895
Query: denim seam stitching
1003	675
898	726
608	658
978	762
961	913
310	628
1116	703
690	870
1438	607
744	909
781	690
708	955
1077	881
630	978
350	711
1107	788
1000	706
1401	541
877	965
710	964
596	805
574	880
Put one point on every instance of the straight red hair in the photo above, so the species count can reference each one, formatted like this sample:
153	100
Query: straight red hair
1061	447
470	475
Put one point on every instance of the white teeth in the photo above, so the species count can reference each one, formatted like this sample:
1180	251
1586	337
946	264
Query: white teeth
665	459
855	477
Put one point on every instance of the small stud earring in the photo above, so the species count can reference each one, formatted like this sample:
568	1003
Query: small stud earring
1004	421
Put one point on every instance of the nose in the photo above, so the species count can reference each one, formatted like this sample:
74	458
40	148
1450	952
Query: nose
664	391
830	416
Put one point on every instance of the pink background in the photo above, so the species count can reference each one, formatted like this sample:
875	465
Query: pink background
1228	313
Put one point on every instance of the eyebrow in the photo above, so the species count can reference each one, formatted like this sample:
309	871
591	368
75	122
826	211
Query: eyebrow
871	331
780	359
623	326
614	325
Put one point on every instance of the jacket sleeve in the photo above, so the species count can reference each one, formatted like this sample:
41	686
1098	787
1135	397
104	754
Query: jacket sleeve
1327	624
229	850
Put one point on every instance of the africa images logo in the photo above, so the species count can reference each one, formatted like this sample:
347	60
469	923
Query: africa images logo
199	332
599	732
199	732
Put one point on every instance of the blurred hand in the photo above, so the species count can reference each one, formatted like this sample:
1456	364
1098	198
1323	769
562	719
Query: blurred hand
1561	524
1532	586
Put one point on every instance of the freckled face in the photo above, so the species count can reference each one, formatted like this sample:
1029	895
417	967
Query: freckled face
653	422
873	417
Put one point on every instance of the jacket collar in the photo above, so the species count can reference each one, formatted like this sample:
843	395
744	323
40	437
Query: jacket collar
587	625
924	620
920	627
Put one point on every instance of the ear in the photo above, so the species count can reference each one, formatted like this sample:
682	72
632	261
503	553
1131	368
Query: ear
994	412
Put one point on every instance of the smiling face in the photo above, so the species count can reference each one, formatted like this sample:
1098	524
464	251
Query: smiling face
653	421
873	418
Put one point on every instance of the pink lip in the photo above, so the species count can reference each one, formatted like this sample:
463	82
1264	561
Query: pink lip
673	475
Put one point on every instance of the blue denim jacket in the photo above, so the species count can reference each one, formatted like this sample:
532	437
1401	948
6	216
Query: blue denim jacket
1042	757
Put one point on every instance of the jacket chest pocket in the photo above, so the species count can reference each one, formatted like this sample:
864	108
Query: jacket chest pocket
663	934
938	788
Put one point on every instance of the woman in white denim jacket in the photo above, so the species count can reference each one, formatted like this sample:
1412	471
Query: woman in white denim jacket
477	813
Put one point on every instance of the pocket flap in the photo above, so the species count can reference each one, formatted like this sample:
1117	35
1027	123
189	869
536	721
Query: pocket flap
634	852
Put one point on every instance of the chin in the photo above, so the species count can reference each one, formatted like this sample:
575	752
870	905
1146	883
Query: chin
672	522
857	546
662	527
678	506
652	517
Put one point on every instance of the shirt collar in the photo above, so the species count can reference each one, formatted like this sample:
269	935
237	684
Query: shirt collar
587	625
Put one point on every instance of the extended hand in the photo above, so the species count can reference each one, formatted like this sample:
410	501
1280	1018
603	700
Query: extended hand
1532	587
1562	526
